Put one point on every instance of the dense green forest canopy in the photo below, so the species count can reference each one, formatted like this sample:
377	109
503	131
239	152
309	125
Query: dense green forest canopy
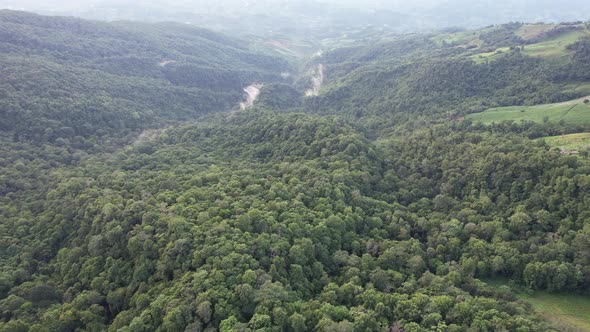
135	197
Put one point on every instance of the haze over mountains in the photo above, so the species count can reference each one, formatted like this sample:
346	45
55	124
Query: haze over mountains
320	16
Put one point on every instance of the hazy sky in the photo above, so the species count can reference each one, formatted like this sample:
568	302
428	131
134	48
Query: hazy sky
71	5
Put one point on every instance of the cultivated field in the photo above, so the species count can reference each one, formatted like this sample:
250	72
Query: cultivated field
571	112
566	312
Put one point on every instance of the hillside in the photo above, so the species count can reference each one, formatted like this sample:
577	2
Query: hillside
454	74
66	77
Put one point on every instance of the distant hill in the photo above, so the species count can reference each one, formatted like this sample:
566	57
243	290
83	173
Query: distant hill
456	72
318	18
66	77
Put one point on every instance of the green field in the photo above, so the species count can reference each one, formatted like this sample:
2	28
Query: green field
569	142
555	47
489	56
571	112
549	47
565	312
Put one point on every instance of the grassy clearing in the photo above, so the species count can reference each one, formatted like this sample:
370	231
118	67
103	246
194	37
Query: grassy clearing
571	112
569	142
555	47
583	89
564	312
532	31
490	56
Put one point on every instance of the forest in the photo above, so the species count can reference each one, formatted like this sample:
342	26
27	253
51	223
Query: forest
135	196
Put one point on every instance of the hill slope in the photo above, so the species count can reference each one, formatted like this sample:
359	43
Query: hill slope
89	76
453	74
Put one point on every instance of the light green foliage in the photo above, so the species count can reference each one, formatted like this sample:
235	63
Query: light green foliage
564	311
573	112
570	142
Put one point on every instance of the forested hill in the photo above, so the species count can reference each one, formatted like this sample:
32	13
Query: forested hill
291	222
66	77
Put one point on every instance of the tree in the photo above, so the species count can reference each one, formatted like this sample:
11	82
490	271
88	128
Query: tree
259	321
298	322
227	325
205	311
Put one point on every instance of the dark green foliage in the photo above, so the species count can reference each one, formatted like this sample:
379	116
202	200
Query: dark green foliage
502	36
279	96
299	222
440	87
579	69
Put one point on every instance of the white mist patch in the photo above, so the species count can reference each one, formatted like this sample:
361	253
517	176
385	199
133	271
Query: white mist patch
285	74
252	93
164	63
149	135
317	54
317	80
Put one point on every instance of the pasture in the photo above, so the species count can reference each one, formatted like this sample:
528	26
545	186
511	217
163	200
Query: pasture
570	142
565	312
571	112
